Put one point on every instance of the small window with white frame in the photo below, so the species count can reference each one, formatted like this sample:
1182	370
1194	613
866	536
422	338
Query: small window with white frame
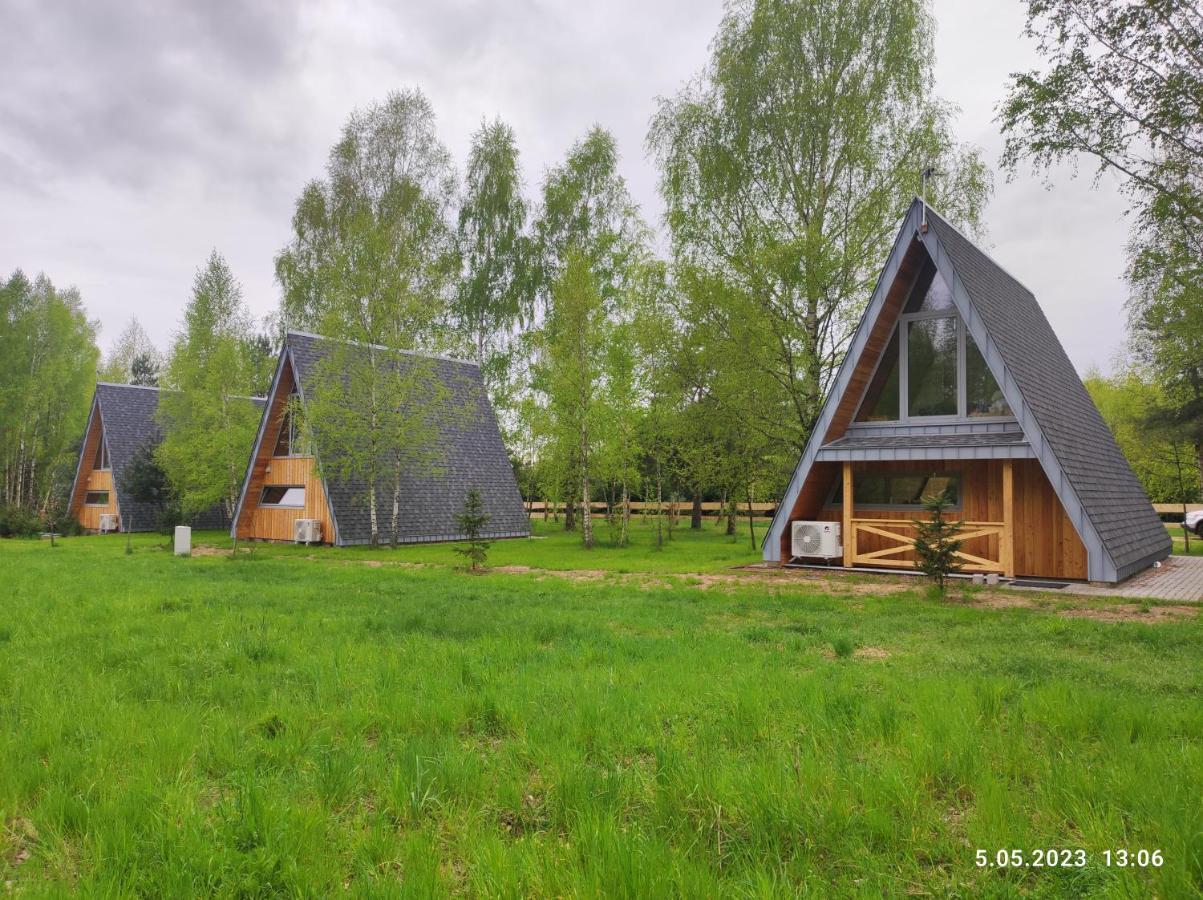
289	496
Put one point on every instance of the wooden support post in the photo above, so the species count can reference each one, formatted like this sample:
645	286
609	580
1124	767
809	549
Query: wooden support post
1006	540
847	533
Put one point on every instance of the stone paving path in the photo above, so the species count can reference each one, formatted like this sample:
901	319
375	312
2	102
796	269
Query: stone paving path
1179	578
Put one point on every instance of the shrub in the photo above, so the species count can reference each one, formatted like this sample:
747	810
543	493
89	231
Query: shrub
472	521
16	521
936	545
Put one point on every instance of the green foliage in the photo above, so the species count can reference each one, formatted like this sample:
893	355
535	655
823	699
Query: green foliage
1123	86
133	358
573	343
372	256
471	521
1168	468
207	416
145	483
936	544
374	415
492	299
47	372
312	728
784	168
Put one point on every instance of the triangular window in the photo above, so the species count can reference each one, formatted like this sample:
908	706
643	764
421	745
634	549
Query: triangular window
930	367
101	462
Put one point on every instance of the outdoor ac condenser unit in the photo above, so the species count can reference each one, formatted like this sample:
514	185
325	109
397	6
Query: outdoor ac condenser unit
108	522
816	539
307	531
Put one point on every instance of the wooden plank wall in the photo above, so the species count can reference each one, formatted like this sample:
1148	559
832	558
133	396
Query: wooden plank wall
92	480
275	523
912	265
1046	544
89	516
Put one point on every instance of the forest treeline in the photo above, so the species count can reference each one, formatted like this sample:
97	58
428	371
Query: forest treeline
669	361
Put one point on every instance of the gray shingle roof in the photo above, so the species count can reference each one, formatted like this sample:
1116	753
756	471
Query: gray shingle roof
470	453
1096	469
128	414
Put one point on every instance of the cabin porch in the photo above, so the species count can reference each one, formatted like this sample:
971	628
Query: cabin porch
1014	524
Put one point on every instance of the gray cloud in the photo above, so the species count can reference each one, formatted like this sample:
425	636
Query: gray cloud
136	136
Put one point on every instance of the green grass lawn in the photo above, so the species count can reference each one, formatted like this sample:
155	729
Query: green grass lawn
274	724
551	547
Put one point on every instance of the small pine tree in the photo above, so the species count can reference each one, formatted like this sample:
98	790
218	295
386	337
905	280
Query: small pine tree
936	545
472	522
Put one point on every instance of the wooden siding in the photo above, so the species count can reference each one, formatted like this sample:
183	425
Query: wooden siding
91	479
275	523
89	516
909	270
1045	542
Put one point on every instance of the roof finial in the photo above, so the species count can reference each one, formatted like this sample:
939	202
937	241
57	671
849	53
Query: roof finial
926	174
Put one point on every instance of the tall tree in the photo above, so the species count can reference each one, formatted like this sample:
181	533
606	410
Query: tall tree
570	368
372	264
372	256
1123	87
133	347
207	418
492	298
48	362
784	169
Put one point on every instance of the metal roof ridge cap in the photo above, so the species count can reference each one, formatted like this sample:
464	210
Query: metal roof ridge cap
976	246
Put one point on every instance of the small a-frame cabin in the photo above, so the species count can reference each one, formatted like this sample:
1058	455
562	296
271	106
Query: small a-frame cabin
285	483
954	381
121	422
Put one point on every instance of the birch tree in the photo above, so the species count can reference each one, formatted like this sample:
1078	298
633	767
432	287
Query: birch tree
48	362
208	420
372	264
785	167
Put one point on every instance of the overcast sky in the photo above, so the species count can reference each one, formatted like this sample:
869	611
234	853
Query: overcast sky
137	135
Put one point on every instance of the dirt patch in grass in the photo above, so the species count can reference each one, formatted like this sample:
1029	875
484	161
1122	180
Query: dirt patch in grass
1132	613
860	653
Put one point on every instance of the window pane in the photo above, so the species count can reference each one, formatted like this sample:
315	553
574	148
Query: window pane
284	442
935	485
983	396
881	399
932	367
905	490
283	495
101	461
936	297
870	489
96	498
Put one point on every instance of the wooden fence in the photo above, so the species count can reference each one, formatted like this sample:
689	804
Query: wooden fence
682	509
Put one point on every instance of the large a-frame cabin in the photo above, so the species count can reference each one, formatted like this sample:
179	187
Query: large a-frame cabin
285	482
954	381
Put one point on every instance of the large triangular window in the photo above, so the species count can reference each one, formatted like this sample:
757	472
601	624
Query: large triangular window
931	368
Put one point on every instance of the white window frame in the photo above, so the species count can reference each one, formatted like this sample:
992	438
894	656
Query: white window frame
287	487
108	495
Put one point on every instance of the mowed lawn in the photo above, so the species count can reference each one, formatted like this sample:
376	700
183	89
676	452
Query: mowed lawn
305	722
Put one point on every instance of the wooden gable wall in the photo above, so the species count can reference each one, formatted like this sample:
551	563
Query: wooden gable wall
91	479
274	523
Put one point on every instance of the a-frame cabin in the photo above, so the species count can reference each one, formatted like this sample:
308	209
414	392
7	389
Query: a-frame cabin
285	482
954	381
122	420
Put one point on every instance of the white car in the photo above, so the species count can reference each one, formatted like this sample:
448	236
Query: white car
1194	521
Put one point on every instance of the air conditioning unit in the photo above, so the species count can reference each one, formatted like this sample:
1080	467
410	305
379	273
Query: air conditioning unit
108	522
816	539
307	531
